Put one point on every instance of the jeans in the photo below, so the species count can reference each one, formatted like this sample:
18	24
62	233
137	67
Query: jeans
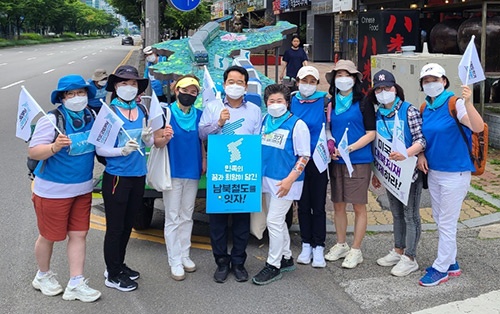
279	238
311	212
448	191
179	206
407	225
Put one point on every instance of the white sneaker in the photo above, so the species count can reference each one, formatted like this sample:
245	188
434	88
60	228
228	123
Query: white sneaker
188	264
177	273
337	251
318	257
353	258
390	259
47	284
81	292
405	266
306	254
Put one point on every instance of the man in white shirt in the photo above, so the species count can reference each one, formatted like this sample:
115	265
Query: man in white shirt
237	116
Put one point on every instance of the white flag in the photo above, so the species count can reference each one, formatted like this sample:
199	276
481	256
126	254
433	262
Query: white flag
398	137
105	129
344	152
321	156
27	110
209	90
470	70
155	113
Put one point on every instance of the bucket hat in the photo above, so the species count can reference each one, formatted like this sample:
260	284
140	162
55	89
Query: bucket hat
71	82
99	75
125	73
346	65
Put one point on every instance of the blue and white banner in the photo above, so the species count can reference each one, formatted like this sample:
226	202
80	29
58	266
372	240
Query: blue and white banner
27	110
234	179
396	176
105	129
470	70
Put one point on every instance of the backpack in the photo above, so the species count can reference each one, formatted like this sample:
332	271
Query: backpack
61	125
479	151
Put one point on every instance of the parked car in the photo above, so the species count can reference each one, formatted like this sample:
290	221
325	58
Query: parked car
127	40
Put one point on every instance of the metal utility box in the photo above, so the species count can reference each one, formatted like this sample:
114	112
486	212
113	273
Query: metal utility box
406	69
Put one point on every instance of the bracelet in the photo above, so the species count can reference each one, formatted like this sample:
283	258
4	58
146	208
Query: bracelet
52	149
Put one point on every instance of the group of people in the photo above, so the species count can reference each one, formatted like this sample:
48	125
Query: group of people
289	133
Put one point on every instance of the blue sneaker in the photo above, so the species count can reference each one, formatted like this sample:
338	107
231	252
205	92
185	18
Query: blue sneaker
433	277
454	270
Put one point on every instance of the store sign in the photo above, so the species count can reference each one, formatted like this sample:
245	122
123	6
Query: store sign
217	10
343	5
184	5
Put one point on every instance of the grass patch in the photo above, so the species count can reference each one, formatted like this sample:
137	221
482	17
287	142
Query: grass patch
481	201
493	109
35	39
495	162
477	186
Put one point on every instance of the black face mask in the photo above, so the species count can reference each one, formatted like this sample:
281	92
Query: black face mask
186	99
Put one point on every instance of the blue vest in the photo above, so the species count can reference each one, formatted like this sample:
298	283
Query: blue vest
278	157
384	122
185	151
445	150
313	114
352	119
70	165
133	165
100	93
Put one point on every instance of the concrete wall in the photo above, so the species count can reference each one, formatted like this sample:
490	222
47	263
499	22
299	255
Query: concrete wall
493	121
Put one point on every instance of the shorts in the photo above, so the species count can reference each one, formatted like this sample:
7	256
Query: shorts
56	216
347	189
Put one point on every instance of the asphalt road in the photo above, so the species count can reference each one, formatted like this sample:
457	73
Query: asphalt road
366	289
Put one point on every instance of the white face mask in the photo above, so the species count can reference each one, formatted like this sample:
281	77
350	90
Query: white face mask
126	92
385	97
433	89
234	91
151	58
277	110
344	83
307	90
77	103
102	83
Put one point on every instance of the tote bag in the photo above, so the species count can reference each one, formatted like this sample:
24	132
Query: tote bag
158	176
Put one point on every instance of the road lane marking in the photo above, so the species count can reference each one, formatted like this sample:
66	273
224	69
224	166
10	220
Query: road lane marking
3	64
152	235
13	84
71	62
50	54
94	53
32	58
85	57
48	71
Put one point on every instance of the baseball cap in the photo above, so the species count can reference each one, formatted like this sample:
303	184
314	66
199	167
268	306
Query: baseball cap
188	81
147	50
308	70
432	69
383	78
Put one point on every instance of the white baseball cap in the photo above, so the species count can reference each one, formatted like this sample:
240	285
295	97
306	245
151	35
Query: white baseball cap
147	50
432	69
308	70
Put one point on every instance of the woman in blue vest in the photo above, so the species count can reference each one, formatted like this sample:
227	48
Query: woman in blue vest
349	113
309	106
62	189
185	172
285	153
447	162
389	97
125	174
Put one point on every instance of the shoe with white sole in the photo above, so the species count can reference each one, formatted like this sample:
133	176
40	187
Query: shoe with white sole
318	257
337	251
390	259
81	292
306	255
47	284
404	267
177	273
188	264
353	258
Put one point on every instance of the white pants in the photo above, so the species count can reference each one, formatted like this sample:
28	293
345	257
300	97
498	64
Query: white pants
179	207
448	191
279	238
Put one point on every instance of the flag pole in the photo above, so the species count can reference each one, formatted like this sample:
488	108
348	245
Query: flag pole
36	104
124	131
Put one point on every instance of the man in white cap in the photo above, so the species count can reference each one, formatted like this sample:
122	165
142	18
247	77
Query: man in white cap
157	85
